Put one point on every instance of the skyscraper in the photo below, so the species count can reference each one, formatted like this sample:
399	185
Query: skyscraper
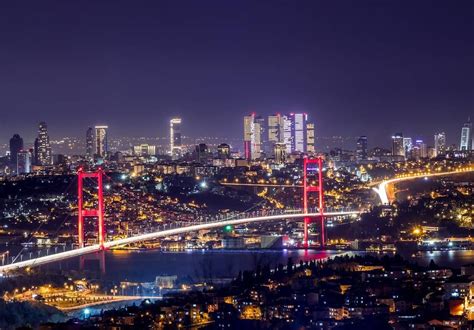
287	136
361	150
202	153
407	146
466	136
23	165
90	143
44	156
275	132
310	148
175	138
398	145
439	143
253	131
101	141
298	131
16	144
420	149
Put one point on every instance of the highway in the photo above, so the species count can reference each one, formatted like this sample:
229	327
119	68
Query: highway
159	234
381	190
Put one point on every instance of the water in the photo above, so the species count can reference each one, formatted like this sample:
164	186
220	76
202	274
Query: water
195	265
189	266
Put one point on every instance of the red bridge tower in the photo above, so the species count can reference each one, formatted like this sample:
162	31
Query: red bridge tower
307	188
98	212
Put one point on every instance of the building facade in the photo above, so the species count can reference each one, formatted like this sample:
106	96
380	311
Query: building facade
16	145
43	146
101	141
466	137
176	146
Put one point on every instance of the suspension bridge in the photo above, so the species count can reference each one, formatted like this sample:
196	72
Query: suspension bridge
311	167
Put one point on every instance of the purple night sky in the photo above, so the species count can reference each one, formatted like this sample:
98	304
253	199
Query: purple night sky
356	67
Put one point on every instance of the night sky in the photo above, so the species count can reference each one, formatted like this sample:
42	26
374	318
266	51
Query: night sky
356	67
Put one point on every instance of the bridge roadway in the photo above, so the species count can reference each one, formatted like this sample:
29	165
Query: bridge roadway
381	190
162	233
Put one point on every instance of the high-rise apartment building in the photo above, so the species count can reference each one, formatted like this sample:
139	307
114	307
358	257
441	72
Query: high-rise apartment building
466	136
176	146
439	144
90	143
101	141
43	147
16	145
398	145
361	150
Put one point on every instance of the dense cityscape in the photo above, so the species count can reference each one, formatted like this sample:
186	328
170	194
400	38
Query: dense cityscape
133	197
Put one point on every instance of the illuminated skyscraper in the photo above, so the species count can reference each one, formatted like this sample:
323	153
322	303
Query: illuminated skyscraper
310	138
16	144
398	145
287	136
253	132
407	146
440	143
420	150
361	150
23	165
90	143
101	142
466	136
176	145
298	132
275	132
43	152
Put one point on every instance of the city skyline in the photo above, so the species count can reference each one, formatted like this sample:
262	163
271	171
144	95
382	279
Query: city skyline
179	62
